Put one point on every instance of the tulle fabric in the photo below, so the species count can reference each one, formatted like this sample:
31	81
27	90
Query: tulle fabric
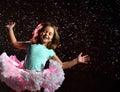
18	78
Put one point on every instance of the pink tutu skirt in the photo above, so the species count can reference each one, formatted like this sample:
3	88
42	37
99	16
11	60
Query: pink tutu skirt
19	79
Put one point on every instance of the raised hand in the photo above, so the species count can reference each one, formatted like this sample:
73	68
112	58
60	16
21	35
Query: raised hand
10	25
83	59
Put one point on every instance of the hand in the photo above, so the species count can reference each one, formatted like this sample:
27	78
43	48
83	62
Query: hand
83	59
10	25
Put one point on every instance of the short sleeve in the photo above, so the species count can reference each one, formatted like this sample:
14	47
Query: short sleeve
27	44
52	53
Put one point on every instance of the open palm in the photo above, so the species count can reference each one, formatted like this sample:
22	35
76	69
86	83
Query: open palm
83	59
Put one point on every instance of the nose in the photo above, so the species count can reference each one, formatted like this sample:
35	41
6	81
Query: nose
46	33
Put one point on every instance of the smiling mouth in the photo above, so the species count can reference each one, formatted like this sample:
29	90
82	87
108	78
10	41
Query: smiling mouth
44	37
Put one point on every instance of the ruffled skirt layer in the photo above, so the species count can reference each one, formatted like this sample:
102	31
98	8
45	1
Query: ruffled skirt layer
18	78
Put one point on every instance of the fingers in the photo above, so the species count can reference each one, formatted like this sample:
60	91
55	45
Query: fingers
83	59
10	25
80	54
86	56
87	59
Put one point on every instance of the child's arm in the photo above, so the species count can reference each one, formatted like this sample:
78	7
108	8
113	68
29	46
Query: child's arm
69	64
15	43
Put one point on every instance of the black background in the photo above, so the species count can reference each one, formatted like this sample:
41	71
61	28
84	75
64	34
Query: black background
88	26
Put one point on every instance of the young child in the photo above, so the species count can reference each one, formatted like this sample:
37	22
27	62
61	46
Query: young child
30	73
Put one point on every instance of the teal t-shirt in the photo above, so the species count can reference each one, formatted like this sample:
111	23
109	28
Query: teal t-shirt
37	56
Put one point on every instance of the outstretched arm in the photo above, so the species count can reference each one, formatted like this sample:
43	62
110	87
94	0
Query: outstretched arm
15	43
68	64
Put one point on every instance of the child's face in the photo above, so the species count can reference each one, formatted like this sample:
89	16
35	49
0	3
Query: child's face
47	35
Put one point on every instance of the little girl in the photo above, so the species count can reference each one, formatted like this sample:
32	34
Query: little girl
30	74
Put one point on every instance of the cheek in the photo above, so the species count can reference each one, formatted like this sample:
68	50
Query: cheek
51	37
41	34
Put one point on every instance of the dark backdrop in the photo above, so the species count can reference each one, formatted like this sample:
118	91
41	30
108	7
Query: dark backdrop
88	26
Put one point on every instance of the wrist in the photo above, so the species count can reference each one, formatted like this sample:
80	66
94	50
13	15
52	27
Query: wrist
10	28
76	60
